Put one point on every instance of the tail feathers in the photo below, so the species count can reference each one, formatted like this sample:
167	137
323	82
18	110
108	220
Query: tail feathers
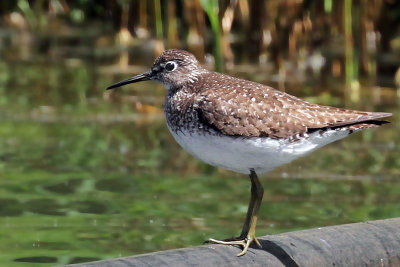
369	118
369	121
361	125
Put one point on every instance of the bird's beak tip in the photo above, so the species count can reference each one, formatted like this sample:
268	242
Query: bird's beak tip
138	78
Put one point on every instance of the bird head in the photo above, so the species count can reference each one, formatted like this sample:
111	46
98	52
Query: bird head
172	68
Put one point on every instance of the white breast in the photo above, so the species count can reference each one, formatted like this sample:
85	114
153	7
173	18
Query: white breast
262	154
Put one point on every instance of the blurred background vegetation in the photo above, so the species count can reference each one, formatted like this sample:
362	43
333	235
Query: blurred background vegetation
87	174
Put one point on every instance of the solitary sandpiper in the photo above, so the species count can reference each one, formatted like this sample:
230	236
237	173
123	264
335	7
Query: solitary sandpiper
244	126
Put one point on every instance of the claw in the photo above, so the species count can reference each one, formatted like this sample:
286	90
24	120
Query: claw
245	243
233	242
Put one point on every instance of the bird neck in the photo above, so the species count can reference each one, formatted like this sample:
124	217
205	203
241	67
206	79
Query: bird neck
179	98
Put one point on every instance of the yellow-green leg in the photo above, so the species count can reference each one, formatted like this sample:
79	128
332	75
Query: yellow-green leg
248	234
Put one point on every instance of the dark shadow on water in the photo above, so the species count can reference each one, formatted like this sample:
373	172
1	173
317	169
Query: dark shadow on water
94	207
65	187
45	206
10	207
38	259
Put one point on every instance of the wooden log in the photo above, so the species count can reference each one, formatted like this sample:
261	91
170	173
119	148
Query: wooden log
374	243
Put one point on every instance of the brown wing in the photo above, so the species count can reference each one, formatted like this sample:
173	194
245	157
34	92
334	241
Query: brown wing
252	109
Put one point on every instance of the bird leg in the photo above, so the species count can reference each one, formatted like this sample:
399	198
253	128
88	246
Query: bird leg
248	234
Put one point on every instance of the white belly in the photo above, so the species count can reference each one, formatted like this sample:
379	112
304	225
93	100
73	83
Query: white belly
259	153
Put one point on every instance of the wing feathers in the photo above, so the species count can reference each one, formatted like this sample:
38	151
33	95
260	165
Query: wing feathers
255	110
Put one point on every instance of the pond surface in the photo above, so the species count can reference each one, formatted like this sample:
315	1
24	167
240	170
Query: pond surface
87	174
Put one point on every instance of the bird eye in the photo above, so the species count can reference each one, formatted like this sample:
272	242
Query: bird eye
171	65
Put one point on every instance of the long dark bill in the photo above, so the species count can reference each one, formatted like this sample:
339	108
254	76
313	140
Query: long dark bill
134	79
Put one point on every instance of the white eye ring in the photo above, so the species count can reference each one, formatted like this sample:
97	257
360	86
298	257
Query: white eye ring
171	66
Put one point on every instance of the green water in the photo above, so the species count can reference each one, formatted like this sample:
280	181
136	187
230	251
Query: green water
87	174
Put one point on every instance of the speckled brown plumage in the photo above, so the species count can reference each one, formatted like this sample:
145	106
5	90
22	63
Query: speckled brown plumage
237	107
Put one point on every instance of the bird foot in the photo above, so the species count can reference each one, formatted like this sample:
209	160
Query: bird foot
240	241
